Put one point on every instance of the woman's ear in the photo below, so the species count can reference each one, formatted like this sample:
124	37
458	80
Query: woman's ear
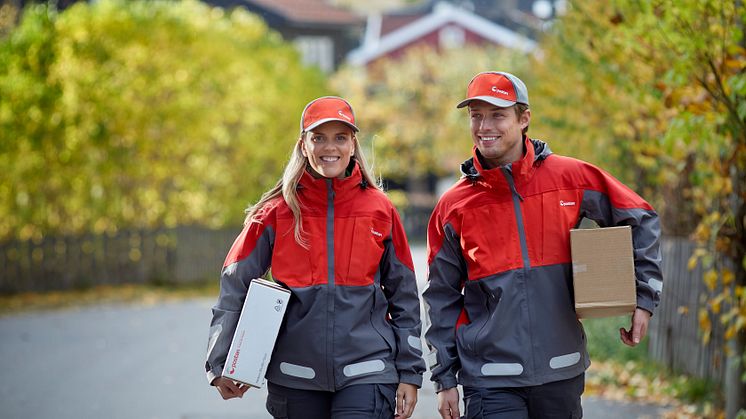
302	145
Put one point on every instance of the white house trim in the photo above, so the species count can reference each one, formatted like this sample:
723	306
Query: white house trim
441	15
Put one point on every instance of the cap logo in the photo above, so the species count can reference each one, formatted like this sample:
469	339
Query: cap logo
344	116
502	92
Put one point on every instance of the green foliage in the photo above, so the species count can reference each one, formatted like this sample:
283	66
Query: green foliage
123	113
605	344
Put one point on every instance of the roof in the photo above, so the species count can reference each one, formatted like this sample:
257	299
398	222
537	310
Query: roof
378	43
308	11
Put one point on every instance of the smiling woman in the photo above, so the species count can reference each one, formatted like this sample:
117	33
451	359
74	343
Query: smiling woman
350	272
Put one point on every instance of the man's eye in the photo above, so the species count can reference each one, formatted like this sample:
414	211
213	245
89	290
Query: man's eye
317	139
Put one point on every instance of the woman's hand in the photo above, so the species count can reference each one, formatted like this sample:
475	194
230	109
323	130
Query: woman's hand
448	404
406	399
228	388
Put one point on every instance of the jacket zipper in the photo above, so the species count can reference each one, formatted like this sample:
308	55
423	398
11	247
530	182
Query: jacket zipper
330	285
517	199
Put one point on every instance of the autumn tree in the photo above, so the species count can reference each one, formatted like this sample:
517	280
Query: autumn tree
136	114
656	91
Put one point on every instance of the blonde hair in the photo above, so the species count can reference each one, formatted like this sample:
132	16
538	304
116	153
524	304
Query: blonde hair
287	186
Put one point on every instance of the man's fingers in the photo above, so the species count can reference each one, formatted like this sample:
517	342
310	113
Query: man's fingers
626	338
409	405
455	414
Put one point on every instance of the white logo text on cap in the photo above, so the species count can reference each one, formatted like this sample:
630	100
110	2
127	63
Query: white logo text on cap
344	116
496	90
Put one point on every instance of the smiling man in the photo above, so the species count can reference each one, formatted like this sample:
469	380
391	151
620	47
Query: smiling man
499	292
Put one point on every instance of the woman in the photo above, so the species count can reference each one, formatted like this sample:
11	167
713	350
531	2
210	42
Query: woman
350	345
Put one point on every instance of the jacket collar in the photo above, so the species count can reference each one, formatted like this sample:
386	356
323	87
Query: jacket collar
316	188
522	170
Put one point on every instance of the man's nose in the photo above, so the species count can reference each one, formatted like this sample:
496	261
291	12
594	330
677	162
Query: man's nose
487	124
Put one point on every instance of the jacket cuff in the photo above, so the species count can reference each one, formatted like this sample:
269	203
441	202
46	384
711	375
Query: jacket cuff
211	376
646	304
410	378
444	383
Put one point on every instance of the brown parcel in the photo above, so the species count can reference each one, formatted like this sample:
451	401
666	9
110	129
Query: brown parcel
603	271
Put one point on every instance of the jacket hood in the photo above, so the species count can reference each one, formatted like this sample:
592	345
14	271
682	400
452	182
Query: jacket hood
541	152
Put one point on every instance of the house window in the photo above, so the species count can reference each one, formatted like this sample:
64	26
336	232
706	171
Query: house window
451	37
316	50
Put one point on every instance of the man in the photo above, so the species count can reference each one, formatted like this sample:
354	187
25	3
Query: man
499	290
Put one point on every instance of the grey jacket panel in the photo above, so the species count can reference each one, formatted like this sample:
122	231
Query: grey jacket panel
234	283
364	343
443	305
645	242
399	291
519	335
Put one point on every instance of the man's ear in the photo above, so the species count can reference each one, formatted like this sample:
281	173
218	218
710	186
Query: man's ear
525	118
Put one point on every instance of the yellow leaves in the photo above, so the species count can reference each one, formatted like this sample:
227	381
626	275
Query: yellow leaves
728	277
710	278
683	310
705	325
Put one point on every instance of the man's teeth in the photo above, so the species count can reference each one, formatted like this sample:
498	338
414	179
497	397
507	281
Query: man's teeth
489	138
329	159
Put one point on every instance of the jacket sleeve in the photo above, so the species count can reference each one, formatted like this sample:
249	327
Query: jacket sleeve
249	258
610	203
400	288
444	301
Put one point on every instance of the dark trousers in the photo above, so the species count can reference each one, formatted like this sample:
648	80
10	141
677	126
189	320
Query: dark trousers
362	401
560	400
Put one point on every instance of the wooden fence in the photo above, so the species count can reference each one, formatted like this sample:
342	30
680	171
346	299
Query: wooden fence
675	340
181	254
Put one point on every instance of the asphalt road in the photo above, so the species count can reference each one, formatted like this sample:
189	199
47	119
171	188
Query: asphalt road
144	362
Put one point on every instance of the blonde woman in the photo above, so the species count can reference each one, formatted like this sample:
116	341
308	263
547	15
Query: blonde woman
350	343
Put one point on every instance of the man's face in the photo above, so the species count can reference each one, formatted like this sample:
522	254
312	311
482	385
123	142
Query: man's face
497	132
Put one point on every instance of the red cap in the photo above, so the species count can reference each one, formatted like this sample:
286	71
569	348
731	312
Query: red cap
325	109
496	87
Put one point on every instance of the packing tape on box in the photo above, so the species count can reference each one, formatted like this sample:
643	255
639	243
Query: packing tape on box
579	267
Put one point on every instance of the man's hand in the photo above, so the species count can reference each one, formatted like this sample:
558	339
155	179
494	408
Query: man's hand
639	329
448	404
228	389
406	399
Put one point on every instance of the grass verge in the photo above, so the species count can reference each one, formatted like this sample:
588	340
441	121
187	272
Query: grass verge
102	294
623	373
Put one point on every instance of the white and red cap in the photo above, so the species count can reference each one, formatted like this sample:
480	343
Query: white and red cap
495	87
326	109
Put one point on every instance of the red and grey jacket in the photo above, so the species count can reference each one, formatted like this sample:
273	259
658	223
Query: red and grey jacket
499	295
353	315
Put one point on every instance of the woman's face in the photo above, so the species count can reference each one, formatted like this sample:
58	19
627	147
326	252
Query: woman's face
329	148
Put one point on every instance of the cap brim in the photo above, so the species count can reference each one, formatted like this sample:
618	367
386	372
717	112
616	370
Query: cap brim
500	103
325	120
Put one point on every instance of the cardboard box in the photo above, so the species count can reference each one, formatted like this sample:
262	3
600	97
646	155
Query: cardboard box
603	271
256	332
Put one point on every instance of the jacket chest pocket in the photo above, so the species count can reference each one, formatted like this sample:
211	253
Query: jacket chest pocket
366	246
293	264
560	212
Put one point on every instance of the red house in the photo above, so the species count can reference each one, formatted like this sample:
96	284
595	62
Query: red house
446	26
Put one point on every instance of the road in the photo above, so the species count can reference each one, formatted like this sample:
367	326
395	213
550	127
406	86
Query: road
144	362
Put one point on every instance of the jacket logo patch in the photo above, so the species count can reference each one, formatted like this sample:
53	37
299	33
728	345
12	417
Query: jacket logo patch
375	233
567	203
